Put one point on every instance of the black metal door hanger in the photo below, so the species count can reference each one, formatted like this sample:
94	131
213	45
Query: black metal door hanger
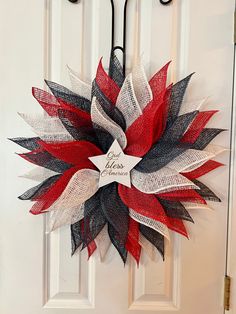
123	49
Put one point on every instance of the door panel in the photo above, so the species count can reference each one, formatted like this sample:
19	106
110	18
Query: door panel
37	268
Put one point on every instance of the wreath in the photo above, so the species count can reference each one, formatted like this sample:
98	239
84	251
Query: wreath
120	159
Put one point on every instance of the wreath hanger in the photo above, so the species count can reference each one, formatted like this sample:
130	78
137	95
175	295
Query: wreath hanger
121	48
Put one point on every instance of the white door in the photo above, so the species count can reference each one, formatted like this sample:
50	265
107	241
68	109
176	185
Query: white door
38	40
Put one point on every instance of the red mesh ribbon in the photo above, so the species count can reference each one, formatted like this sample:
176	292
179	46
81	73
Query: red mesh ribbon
197	126
149	206
51	104
77	119
91	248
75	152
144	204
178	226
51	195
207	167
108	87
148	127
158	82
183	196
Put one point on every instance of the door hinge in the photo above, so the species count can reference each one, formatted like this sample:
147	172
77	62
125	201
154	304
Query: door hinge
227	293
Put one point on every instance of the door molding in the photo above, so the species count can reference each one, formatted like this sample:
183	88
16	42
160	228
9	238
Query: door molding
231	238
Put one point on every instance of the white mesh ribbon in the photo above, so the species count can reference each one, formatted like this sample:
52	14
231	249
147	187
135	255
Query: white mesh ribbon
78	86
127	102
163	180
187	107
190	159
215	149
154	224
141	86
38	174
47	128
65	217
189	206
103	243
100	118
56	137
82	186
211	150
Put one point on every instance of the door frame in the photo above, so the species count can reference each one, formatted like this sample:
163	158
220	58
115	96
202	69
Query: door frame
231	234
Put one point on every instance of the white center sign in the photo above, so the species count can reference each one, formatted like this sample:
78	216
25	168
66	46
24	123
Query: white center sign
115	166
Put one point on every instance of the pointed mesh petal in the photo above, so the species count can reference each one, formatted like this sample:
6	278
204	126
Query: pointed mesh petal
211	150
103	243
28	143
158	81
116	70
206	136
155	238
149	222
197	126
215	149
200	171
142	134
75	152
178	127
175	210
78	86
141	86
127	102
55	137
40	123
36	192
206	192
44	159
91	248
115	211
76	235
107	86
159	181
176	99
94	222
159	156
146	206
178	226
38	174
61	92
190	159
81	187
119	245
67	216
100	118
52	194
112	111
50	103
189	206
76	128
183	196
187	107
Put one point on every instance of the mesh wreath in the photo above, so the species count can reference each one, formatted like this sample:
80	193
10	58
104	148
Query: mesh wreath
149	120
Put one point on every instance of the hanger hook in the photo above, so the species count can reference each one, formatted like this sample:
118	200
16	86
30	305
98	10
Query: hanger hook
165	2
